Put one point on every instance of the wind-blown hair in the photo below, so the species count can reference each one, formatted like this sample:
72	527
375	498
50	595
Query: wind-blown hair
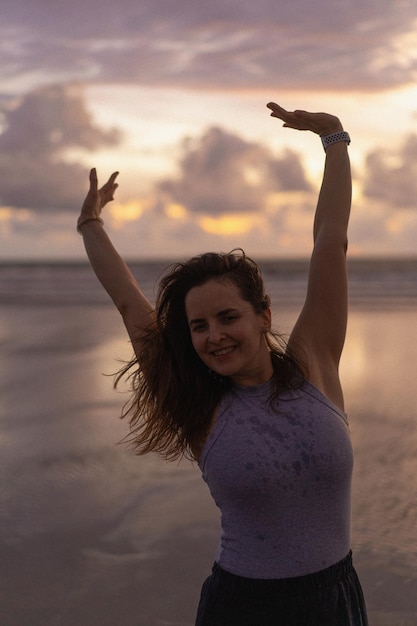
175	395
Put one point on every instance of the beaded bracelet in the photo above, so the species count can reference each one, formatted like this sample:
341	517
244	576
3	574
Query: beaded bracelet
88	219
328	140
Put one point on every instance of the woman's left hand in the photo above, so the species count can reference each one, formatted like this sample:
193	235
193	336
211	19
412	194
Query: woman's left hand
97	198
319	123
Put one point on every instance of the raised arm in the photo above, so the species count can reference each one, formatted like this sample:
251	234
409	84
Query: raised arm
109	267
319	334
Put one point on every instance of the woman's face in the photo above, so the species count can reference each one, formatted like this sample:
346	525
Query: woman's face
227	334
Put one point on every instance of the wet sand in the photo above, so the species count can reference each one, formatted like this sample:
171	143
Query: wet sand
91	534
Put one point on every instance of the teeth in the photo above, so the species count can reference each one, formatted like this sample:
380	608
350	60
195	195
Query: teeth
223	351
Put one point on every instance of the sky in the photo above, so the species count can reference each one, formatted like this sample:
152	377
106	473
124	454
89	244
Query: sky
172	94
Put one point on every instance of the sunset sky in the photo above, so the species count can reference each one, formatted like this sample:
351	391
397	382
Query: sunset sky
173	95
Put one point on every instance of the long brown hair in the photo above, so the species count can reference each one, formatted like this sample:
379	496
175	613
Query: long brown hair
175	395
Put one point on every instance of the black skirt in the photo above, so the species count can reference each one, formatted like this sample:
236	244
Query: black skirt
332	597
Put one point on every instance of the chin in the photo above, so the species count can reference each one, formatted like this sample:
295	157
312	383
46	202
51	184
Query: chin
227	372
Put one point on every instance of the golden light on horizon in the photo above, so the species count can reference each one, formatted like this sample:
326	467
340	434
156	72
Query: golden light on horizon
229	224
7	212
176	211
127	212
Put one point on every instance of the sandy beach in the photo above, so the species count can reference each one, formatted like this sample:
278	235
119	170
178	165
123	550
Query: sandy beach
92	535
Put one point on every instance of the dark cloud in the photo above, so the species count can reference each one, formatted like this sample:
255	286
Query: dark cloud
37	133
392	177
269	44
222	173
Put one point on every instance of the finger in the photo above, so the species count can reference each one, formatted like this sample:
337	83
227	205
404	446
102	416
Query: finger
275	107
277	110
110	187
93	179
282	114
108	190
112	178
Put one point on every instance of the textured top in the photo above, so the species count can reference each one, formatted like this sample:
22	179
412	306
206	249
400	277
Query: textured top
281	479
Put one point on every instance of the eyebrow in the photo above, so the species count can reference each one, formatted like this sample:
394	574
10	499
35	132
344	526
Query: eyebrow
219	314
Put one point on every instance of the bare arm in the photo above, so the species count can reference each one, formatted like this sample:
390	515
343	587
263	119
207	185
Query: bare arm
109	267
319	334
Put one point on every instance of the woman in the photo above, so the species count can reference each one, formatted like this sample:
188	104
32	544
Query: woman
265	421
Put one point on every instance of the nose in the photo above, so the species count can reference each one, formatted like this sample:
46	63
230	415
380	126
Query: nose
215	334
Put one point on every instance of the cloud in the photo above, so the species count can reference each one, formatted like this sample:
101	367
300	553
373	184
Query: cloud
38	132
268	44
392	177
221	173
228	192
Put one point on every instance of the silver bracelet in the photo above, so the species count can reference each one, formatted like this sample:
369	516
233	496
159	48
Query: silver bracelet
88	219
328	140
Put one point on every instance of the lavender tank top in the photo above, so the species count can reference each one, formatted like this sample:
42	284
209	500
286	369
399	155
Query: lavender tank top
281	479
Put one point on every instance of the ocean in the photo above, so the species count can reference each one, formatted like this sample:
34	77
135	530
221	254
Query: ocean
91	534
373	282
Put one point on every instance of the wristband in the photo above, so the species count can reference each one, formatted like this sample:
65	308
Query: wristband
88	219
328	140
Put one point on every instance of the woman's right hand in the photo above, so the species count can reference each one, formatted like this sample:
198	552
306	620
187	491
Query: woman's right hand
97	198
319	123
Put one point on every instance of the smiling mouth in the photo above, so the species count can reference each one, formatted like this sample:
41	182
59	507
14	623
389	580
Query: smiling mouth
223	351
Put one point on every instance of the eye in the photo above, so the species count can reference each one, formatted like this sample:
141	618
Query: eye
227	319
198	328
